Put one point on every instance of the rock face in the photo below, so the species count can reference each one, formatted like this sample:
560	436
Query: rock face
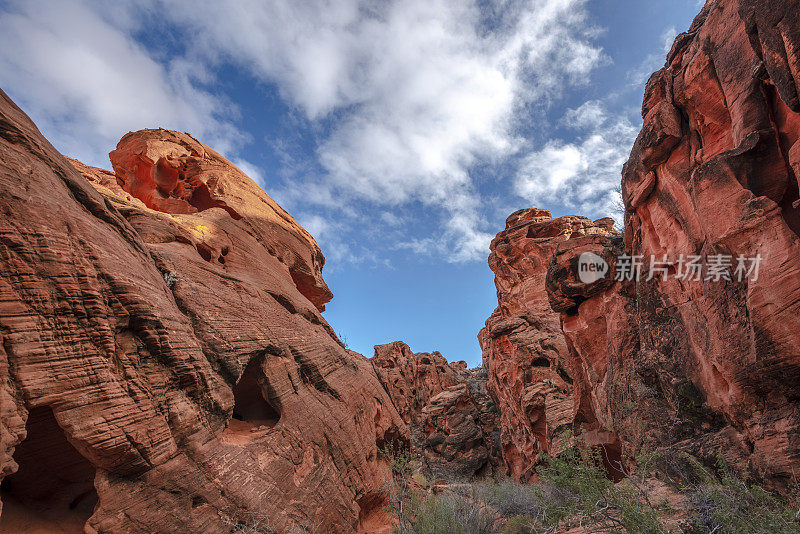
707	365
453	421
411	379
715	171
524	349
458	432
160	329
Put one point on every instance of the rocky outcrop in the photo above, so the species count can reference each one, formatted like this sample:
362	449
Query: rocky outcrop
524	349
715	171
164	366
453	421
458	433
706	363
412	379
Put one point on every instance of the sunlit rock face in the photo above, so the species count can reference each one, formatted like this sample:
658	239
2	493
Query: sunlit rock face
411	379
163	351
708	366
524	350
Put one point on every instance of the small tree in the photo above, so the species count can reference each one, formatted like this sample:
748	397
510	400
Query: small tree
400	459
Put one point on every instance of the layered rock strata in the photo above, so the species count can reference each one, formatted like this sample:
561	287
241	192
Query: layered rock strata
161	326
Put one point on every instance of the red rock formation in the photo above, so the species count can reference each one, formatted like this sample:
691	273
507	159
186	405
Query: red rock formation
706	366
458	432
412	379
523	347
453	421
162	330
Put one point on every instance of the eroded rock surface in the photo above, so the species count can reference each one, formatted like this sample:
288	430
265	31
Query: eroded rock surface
708	366
453	420
411	379
162	323
524	349
458	432
724	181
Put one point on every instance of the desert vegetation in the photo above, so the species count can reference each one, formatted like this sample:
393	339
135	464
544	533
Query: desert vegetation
572	494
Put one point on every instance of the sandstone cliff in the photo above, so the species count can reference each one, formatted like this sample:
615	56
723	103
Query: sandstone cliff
524	349
706	366
163	352
453	422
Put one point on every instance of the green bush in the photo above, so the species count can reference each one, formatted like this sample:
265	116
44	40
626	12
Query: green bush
511	498
520	524
732	506
575	490
453	514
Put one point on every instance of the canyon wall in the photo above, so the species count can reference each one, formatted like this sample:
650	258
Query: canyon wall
708	365
164	366
411	379
524	350
453	421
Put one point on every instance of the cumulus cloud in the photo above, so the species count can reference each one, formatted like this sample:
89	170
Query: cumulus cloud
412	93
583	174
86	81
404	98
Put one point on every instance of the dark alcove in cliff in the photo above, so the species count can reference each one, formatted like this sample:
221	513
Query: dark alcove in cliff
53	489
251	408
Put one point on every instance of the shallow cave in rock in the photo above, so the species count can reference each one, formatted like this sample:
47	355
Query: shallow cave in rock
251	408
53	489
611	456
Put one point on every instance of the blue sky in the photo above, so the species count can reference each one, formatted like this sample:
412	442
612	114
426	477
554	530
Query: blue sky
400	133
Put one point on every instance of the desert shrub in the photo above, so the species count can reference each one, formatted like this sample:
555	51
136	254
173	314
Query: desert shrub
402	500
511	498
575	490
420	479
480	372
731	505
453	514
521	524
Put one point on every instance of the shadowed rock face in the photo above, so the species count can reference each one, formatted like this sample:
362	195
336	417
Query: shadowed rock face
166	317
524	349
453	421
411	379
720	149
458	431
706	366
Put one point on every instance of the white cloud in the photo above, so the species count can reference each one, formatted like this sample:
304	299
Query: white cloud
638	76
589	115
86	82
415	92
251	170
404	97
391	219
583	174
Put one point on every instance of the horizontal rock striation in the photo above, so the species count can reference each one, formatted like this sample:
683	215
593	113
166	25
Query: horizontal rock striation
161	325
